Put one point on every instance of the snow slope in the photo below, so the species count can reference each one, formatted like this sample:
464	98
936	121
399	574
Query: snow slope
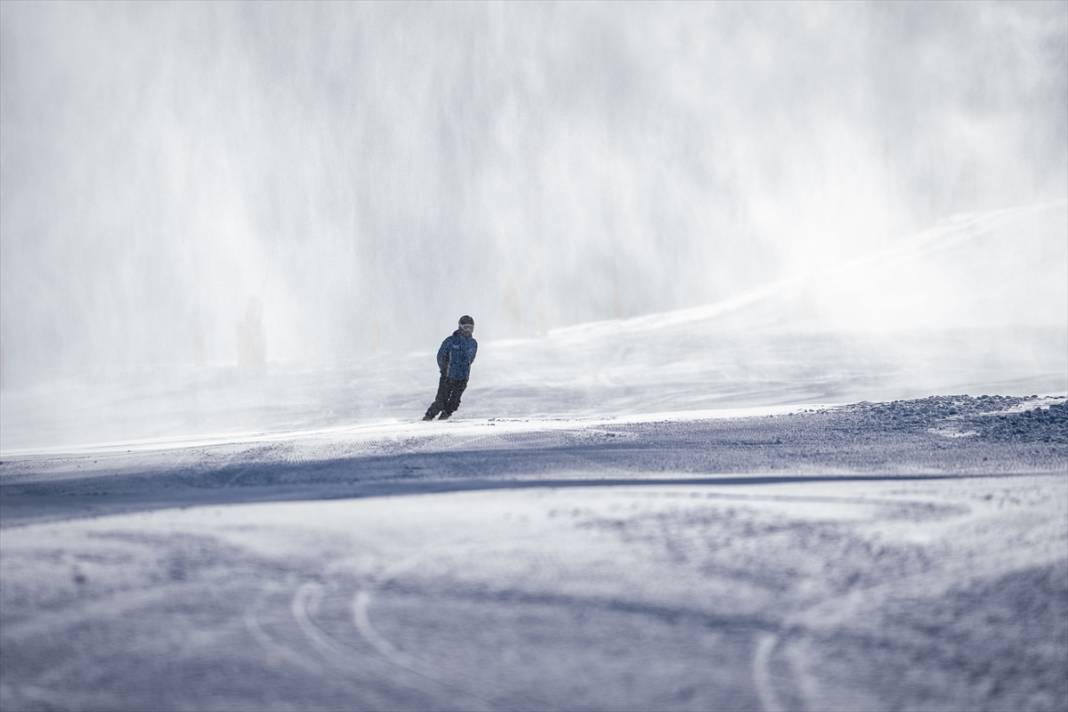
976	305
653	513
851	558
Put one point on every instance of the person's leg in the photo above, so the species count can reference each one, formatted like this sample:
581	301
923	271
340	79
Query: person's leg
453	401
439	400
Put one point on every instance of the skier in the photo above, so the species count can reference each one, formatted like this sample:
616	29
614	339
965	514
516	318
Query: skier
455	357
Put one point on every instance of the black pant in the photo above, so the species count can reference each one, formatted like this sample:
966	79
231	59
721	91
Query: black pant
448	397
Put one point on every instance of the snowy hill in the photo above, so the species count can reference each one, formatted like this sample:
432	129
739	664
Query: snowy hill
936	313
234	539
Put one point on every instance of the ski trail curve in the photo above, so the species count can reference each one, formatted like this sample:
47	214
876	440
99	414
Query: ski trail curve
763	682
420	676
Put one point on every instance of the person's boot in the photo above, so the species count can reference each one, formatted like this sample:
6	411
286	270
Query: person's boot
428	416
445	415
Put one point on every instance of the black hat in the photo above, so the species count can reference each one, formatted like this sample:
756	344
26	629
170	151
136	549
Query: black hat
465	319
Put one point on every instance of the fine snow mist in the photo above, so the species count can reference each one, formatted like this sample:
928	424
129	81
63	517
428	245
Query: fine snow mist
190	186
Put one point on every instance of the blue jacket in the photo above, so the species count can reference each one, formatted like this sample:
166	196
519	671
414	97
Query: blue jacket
456	355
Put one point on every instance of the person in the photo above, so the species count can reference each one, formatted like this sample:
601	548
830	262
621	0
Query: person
455	357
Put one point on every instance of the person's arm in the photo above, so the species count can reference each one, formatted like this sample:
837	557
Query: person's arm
443	356
474	350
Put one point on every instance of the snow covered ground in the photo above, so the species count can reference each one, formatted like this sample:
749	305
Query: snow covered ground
667	512
905	555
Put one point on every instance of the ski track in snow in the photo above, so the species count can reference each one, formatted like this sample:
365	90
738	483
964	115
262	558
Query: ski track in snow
421	673
762	677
